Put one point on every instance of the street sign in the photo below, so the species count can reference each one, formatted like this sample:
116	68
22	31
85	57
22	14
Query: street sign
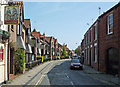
12	15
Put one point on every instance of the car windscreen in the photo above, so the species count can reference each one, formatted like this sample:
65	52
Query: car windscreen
75	57
75	61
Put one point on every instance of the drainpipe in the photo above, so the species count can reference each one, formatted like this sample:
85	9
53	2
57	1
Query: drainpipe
98	43
8	54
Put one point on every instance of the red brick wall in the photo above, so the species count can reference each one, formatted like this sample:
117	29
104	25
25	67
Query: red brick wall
107	41
88	47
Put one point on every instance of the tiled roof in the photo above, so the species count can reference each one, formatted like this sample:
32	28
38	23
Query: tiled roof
27	23
47	39
36	34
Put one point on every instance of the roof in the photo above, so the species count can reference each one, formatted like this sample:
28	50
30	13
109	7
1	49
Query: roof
117	5
47	39
36	34
27	23
103	15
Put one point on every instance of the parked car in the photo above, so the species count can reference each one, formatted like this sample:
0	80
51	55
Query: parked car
75	64
75	57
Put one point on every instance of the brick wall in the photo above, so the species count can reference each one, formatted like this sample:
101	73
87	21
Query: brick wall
108	41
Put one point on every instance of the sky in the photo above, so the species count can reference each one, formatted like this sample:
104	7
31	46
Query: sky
66	21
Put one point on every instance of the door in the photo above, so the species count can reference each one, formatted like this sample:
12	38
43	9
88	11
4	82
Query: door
90	57
11	60
112	61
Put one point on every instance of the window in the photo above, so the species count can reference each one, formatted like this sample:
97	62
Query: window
26	58
17	29
95	54
110	23
28	31
88	37
33	58
91	53
96	32
23	35
91	35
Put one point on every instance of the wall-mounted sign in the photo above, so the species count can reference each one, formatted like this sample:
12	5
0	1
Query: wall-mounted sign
12	15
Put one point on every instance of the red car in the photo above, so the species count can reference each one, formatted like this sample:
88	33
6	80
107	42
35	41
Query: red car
75	64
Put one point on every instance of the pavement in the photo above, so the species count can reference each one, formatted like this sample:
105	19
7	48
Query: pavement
102	76
58	73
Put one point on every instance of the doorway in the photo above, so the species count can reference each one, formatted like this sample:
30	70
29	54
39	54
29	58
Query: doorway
112	61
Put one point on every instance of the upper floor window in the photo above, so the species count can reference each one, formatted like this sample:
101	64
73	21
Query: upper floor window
88	37
91	35
96	32
110	24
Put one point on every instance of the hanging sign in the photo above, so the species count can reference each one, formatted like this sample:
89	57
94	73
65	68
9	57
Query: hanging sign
12	14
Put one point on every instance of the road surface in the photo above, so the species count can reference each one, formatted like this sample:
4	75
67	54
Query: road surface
56	73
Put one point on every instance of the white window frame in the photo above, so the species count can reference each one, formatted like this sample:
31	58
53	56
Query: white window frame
108	24
18	31
91	54
96	29
91	35
96	55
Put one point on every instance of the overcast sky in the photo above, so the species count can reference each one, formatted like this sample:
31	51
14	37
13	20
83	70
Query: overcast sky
66	21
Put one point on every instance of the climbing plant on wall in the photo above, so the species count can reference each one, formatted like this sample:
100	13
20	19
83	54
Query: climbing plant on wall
20	60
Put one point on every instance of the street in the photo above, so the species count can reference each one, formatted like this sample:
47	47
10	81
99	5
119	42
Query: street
56	73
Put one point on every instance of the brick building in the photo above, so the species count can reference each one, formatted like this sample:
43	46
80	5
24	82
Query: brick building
90	46
102	43
109	41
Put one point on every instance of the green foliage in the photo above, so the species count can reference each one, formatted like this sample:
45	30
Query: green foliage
64	53
78	50
27	69
20	60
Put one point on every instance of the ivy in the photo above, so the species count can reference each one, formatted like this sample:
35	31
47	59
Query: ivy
20	60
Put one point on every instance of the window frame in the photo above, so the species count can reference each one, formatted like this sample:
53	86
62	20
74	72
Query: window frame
109	24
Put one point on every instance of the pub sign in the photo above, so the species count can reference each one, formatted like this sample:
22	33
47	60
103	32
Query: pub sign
12	14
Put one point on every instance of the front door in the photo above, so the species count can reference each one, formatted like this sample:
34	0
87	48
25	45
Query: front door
112	61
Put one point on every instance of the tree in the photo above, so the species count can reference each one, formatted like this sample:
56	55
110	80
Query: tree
78	50
64	53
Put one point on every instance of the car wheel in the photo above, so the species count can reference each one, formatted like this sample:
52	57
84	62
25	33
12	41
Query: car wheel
71	68
81	68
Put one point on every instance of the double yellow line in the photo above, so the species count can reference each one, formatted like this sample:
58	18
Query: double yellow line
40	80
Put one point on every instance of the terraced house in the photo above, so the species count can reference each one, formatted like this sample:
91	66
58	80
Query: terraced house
101	43
16	40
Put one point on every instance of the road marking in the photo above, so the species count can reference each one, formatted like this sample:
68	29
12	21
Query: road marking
67	75
71	83
40	80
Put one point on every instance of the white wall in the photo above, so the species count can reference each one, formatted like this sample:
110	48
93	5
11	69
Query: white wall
3	64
